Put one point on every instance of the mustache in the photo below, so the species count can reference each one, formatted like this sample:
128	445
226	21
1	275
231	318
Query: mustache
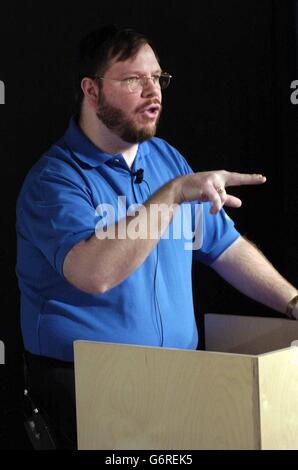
148	103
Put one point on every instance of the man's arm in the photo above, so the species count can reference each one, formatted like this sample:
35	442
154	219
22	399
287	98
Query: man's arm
97	265
247	269
100	263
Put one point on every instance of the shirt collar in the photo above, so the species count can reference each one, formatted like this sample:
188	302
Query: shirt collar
88	153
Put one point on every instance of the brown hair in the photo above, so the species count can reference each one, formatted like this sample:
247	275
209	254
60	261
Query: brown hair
99	47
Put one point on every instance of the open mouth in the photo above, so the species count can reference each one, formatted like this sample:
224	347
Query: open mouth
151	111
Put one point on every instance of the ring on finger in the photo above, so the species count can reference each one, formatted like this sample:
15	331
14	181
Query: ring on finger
220	189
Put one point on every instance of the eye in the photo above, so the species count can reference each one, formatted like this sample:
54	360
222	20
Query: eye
156	79
131	80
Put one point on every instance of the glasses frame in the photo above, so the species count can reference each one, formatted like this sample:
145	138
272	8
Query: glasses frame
142	81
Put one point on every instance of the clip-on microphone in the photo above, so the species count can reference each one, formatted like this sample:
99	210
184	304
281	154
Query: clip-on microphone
139	175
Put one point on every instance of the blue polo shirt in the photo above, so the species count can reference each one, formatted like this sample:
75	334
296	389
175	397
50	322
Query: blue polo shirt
69	194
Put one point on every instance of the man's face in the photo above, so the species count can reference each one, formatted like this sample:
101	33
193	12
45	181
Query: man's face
131	116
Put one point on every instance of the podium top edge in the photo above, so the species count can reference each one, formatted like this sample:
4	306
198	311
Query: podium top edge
79	343
265	317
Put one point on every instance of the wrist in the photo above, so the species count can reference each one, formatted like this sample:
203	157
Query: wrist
175	189
292	308
295	312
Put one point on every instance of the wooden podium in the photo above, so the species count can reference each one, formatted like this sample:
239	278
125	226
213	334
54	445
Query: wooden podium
241	393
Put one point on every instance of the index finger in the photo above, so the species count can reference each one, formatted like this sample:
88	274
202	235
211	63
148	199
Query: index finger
239	179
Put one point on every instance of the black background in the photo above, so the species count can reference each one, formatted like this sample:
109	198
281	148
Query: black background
227	107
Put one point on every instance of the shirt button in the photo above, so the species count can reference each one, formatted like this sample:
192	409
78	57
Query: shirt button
116	162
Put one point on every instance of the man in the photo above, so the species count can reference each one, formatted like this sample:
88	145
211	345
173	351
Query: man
89	270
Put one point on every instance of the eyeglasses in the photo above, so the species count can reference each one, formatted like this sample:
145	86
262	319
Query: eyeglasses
136	84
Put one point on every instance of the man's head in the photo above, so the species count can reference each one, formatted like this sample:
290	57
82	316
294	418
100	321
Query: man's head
119	81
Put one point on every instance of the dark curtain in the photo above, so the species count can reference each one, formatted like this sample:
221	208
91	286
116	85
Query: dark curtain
228	107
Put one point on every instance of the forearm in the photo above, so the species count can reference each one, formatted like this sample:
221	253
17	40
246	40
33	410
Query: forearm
247	269
98	264
102	262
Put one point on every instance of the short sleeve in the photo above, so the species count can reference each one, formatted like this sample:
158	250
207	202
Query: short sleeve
55	213
213	233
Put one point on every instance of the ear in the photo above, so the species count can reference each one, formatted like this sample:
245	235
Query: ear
91	91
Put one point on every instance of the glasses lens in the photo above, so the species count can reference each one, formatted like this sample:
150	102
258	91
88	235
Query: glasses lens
133	84
164	80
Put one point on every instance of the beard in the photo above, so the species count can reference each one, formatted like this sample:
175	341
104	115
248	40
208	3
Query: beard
127	129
